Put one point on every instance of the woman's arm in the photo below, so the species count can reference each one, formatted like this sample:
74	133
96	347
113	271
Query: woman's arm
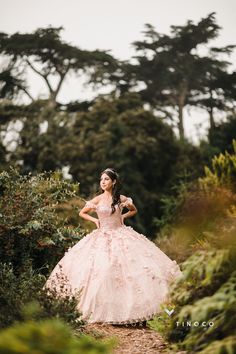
128	203
89	206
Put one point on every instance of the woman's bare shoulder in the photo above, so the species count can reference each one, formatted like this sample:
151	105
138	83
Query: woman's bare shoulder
96	199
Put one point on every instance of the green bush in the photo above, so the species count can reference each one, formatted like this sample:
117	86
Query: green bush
203	238
219	309
31	229
222	172
224	346
206	293
203	274
16	291
205	212
49	337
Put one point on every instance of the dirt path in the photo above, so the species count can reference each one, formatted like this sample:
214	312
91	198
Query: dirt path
132	340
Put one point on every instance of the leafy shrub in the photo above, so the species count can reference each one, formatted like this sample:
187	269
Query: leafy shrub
205	212
222	172
219	309
49	337
204	232
16	291
206	293
225	346
31	229
203	274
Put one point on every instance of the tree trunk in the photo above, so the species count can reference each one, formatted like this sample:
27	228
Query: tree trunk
211	113
52	93
181	122
51	103
181	103
212	121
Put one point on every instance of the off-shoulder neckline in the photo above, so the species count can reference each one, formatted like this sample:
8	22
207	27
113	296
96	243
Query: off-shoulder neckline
98	205
108	205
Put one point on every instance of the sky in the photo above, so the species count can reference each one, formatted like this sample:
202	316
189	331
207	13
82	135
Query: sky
114	25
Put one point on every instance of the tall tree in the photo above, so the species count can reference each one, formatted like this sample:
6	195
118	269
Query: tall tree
10	84
49	56
222	135
218	93
172	70
121	133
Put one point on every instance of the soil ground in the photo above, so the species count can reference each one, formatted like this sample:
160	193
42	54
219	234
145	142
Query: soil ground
138	339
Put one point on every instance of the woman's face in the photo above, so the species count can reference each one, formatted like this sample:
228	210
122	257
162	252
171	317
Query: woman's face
106	182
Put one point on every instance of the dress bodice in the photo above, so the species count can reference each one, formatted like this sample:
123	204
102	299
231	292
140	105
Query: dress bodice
107	219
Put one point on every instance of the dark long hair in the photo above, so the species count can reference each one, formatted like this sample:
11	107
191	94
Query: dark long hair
111	172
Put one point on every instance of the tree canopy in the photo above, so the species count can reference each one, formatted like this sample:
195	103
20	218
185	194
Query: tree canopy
174	72
130	128
48	55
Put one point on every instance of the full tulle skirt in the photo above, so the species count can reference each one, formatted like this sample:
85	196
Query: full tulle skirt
120	275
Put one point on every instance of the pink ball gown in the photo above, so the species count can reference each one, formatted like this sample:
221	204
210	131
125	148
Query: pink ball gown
123	277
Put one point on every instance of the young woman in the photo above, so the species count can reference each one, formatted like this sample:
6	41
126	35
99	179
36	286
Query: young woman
122	276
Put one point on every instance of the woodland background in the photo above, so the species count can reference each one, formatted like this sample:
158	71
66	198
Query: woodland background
51	155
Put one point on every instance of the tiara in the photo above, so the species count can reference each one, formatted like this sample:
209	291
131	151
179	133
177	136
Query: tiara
110	170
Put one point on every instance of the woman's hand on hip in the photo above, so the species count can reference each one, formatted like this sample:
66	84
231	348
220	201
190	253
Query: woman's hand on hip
97	223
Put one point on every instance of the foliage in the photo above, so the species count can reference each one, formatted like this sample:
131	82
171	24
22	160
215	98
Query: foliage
221	136
121	133
48	55
226	346
190	79
51	336
222	172
198	282
205	294
17	291
206	228
31	229
3	161
175	74
68	135
118	132
218	308
202	222
120	124
203	214
10	84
